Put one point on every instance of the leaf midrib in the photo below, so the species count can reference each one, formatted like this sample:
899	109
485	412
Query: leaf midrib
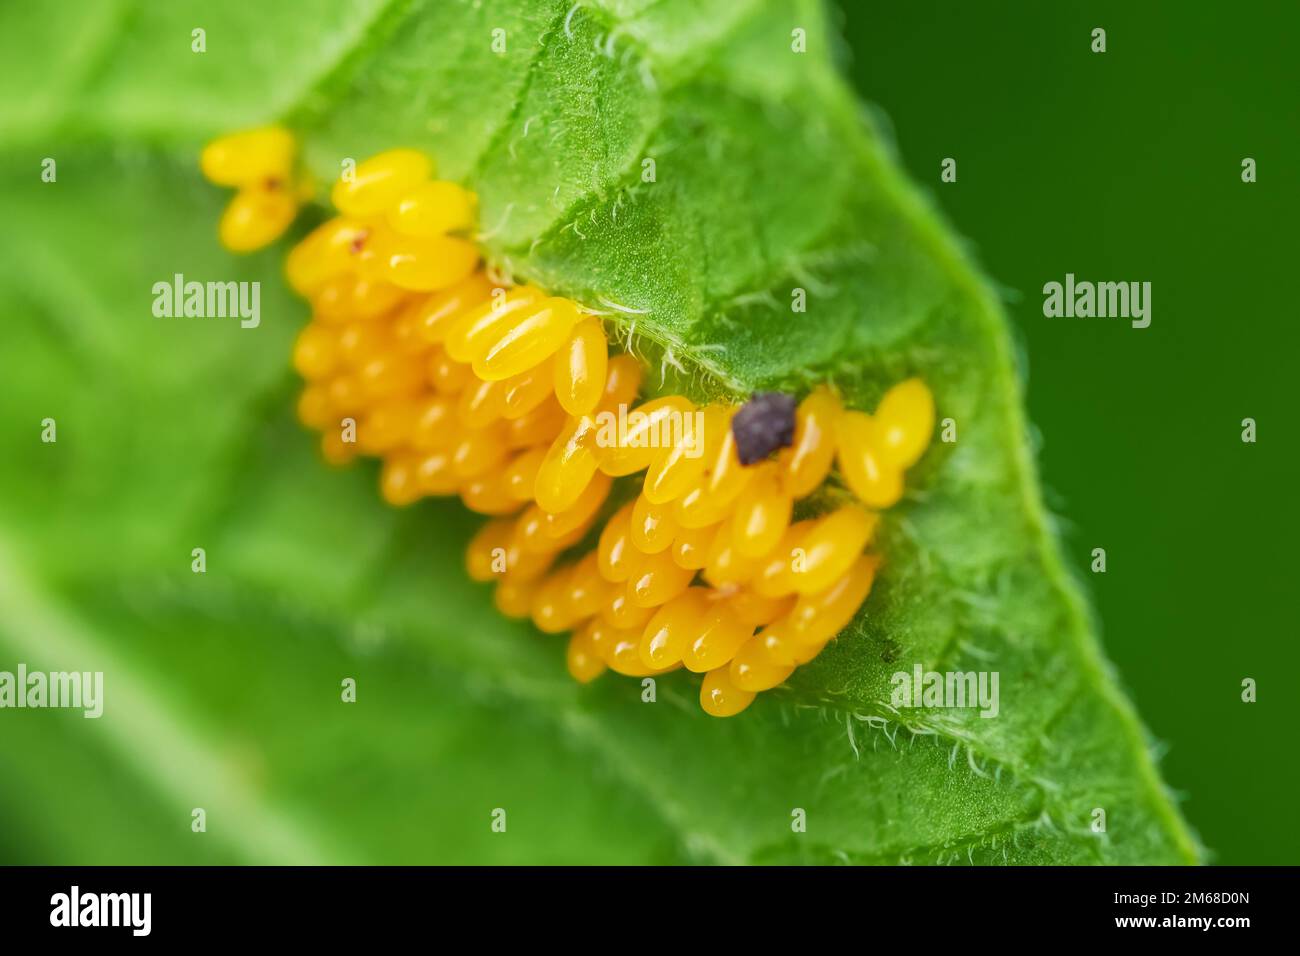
163	744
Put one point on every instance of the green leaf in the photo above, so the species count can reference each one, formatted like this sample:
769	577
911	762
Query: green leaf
222	688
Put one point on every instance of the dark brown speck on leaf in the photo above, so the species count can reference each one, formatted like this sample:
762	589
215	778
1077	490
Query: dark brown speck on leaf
763	424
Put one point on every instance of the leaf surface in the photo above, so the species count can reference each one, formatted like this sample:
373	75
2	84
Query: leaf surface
178	433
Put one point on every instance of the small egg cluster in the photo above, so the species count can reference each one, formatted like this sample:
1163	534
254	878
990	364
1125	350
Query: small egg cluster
259	163
505	397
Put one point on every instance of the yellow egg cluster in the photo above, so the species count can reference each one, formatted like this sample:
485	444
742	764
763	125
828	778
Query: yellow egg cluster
259	163
504	396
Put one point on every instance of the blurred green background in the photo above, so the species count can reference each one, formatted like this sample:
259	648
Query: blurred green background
1127	166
